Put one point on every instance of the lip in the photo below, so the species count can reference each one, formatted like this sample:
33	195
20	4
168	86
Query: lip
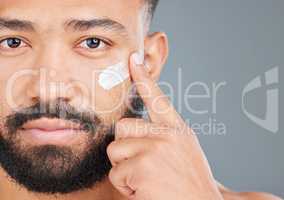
53	131
50	125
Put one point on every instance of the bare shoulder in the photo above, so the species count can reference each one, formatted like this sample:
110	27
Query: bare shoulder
257	196
249	196
230	195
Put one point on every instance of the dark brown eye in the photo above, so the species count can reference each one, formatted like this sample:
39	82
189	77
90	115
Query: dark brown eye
13	42
93	43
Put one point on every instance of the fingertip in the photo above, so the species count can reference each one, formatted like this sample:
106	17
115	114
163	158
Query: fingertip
137	58
137	68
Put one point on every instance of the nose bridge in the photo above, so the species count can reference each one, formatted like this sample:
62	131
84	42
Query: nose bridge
52	75
51	57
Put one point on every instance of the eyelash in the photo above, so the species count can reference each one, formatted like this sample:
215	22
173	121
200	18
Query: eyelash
103	41
6	46
82	44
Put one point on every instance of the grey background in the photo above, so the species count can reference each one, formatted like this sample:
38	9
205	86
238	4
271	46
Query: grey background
232	41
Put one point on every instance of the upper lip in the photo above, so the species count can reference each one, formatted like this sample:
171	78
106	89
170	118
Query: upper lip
46	124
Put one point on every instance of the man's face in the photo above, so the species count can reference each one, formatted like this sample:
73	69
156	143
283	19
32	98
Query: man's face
56	116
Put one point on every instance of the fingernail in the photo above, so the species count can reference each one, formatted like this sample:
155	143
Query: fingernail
137	58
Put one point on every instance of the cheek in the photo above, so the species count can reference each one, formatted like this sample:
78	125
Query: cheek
112	104
16	73
108	100
14	87
8	90
81	82
109	104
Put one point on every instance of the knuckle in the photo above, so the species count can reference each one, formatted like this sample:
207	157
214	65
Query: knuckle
120	128
111	148
113	174
126	121
123	120
119	125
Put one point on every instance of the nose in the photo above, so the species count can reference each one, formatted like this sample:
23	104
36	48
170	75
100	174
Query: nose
53	79
47	90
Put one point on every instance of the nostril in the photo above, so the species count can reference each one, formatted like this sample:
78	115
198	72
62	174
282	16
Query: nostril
32	93
63	99
59	99
35	99
32	96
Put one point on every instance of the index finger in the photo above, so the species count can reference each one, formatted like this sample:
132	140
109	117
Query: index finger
157	103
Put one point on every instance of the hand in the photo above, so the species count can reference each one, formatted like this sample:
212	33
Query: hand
160	159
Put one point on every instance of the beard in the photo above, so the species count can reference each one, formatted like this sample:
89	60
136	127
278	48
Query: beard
54	169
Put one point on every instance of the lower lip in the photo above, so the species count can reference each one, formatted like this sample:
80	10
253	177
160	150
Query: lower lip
56	136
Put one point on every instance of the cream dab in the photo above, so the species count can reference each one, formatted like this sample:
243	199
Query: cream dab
113	76
116	74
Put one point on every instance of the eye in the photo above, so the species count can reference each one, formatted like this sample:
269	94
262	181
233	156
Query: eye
12	43
93	43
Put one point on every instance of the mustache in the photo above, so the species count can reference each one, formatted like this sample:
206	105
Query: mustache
59	109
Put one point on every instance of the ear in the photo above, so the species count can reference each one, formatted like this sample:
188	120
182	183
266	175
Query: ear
156	51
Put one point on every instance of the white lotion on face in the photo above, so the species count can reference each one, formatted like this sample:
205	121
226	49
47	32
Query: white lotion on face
116	74
113	76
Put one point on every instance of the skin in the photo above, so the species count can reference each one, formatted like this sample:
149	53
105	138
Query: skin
182	171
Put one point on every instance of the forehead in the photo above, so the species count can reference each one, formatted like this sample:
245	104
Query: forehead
127	12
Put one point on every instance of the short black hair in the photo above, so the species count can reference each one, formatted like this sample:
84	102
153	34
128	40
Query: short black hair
152	5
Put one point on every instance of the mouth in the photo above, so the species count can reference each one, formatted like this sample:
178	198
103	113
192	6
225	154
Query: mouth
54	131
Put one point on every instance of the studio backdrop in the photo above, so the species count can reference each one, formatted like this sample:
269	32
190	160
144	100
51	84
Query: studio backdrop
224	74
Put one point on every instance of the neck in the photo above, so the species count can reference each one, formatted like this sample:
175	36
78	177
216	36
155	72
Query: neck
9	190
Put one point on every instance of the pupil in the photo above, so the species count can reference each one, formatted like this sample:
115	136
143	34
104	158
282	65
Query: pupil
14	42
93	42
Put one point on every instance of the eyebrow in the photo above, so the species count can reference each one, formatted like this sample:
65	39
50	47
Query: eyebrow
85	25
74	24
16	25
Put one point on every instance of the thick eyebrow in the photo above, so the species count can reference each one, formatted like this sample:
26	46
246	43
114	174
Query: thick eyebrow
74	24
16	25
105	23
